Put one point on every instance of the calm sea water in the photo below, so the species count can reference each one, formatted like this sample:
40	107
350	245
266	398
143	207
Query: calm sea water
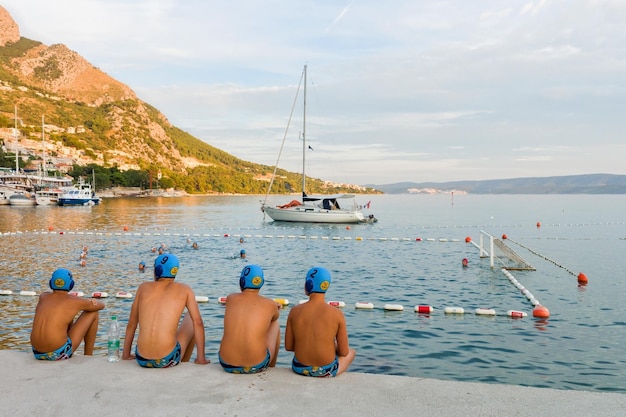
580	346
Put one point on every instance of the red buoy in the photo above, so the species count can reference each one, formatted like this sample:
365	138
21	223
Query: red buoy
347	227
423	309
468	239
582	279
418	239
50	228
538	224
504	237
226	235
541	312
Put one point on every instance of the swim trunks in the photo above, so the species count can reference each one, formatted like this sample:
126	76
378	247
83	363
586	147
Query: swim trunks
64	352
168	361
246	369
316	371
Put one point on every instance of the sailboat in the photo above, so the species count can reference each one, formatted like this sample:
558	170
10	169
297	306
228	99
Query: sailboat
315	209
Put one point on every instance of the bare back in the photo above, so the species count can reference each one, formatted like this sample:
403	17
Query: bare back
157	310
247	320
54	316
316	332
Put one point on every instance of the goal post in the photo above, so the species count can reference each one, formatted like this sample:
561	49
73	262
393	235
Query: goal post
498	252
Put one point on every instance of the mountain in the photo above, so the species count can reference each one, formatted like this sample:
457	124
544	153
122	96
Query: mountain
95	121
572	184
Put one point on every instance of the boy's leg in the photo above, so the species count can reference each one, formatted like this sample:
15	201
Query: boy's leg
84	328
185	337
345	361
273	342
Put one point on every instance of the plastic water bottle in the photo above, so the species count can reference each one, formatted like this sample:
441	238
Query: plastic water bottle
114	340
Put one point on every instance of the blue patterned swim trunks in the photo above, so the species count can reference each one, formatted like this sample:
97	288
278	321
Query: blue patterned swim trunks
245	369
316	371
168	361
64	352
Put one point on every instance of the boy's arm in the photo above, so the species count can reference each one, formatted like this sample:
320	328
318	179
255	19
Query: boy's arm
289	339
343	347
91	304
198	327
130	329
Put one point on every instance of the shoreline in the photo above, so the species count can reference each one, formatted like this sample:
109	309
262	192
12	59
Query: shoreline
92	386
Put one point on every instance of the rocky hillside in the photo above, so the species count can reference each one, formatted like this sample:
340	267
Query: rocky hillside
94	119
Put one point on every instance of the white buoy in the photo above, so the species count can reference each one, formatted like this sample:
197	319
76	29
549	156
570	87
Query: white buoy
485	311
339	304
6	292
454	310
516	314
393	307
363	305
28	293
100	294
202	299
123	294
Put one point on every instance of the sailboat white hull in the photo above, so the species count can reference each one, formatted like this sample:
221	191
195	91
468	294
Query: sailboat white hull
309	214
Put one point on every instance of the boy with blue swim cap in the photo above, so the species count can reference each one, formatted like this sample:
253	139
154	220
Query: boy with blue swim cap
251	338
157	309
55	335
316	332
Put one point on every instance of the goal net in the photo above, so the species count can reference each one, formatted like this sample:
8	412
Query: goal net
500	254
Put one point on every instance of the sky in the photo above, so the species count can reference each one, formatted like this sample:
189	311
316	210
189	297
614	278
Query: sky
402	90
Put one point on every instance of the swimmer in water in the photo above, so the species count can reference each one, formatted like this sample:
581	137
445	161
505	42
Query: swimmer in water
465	263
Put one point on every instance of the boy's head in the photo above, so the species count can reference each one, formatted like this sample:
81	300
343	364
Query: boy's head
166	266
62	280
251	277
317	280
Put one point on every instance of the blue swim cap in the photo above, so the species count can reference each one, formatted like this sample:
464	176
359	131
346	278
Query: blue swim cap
317	280
62	280
251	277
243	251
166	266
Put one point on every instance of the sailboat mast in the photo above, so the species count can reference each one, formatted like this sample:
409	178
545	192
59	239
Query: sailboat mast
17	150
304	140
43	142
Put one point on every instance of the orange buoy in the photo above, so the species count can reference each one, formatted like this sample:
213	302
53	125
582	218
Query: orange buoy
347	227
504	237
538	224
126	228
582	279
468	239
50	228
541	312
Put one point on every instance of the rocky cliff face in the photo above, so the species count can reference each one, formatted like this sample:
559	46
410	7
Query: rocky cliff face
62	71
59	70
9	31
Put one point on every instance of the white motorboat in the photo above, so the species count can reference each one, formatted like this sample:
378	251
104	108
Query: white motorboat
315	209
22	199
80	195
